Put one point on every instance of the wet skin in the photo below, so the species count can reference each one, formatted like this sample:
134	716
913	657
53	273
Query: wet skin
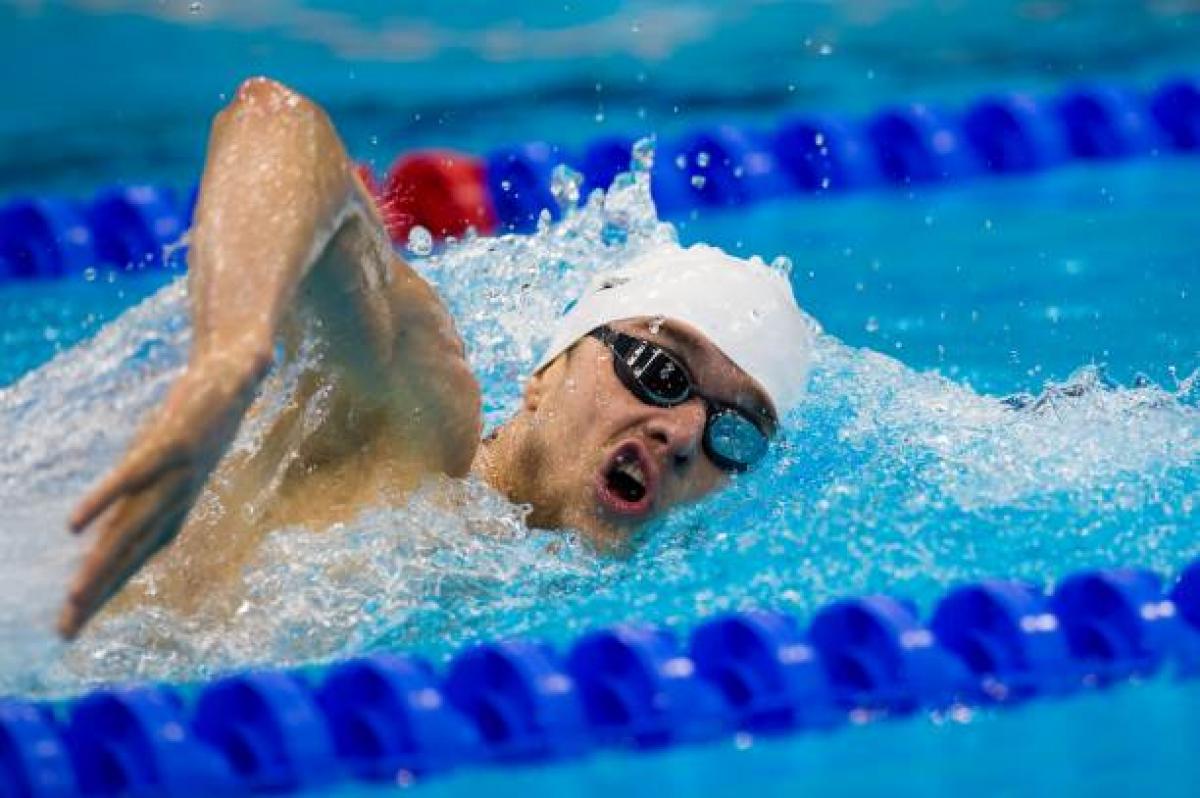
286	238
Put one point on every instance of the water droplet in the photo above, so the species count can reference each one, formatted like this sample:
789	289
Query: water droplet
819	139
698	181
783	265
702	159
506	185
825	49
681	161
564	186
420	241
872	325
196	8
642	156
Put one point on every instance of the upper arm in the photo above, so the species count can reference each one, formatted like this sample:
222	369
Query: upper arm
286	229
391	350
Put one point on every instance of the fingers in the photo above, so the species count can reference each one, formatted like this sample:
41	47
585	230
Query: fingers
137	529
134	473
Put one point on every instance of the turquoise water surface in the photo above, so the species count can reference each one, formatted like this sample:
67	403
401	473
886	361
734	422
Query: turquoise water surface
902	473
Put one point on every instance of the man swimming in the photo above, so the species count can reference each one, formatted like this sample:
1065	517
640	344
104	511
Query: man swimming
665	377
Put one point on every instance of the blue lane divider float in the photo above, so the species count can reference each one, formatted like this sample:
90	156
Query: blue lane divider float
137	741
122	226
391	718
722	166
899	146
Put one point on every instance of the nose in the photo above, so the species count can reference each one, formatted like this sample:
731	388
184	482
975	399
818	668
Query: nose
678	431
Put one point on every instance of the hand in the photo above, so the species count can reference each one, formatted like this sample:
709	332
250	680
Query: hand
146	498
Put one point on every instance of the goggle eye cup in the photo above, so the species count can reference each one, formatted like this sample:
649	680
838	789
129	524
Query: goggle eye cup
734	440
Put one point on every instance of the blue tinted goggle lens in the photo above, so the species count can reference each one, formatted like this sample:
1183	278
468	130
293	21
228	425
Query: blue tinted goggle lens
733	441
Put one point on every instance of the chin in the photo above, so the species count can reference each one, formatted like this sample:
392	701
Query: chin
605	536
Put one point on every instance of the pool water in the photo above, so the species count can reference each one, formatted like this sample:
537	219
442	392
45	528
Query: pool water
902	473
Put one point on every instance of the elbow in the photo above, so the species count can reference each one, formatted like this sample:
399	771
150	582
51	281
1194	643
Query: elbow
263	92
267	100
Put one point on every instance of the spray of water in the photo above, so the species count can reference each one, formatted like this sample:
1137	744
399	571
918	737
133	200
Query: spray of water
885	479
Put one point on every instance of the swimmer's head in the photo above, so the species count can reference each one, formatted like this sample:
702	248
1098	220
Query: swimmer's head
610	436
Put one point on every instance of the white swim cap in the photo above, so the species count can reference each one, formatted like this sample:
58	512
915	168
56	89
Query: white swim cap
745	308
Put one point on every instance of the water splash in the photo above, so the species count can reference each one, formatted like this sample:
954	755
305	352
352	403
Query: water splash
885	479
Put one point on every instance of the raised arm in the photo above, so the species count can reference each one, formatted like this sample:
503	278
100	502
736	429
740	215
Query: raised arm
282	225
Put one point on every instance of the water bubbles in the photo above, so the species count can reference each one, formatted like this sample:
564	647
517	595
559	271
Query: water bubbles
614	234
420	241
872	325
702	159
642	156
698	181
681	161
783	265
565	183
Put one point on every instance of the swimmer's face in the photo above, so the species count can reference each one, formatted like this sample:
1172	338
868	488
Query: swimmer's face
599	459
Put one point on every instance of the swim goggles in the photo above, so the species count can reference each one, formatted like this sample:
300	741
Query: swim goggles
733	439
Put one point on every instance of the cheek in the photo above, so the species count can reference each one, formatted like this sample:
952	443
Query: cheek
708	479
589	405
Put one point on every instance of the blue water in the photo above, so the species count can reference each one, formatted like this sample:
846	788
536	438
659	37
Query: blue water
902	473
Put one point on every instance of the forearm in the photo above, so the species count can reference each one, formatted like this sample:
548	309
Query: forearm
276	189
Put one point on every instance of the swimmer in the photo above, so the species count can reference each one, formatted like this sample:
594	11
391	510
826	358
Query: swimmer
663	379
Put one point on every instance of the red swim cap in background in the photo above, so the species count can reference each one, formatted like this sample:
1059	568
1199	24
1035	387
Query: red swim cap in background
441	190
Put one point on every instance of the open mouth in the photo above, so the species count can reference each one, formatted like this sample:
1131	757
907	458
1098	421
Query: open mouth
626	485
